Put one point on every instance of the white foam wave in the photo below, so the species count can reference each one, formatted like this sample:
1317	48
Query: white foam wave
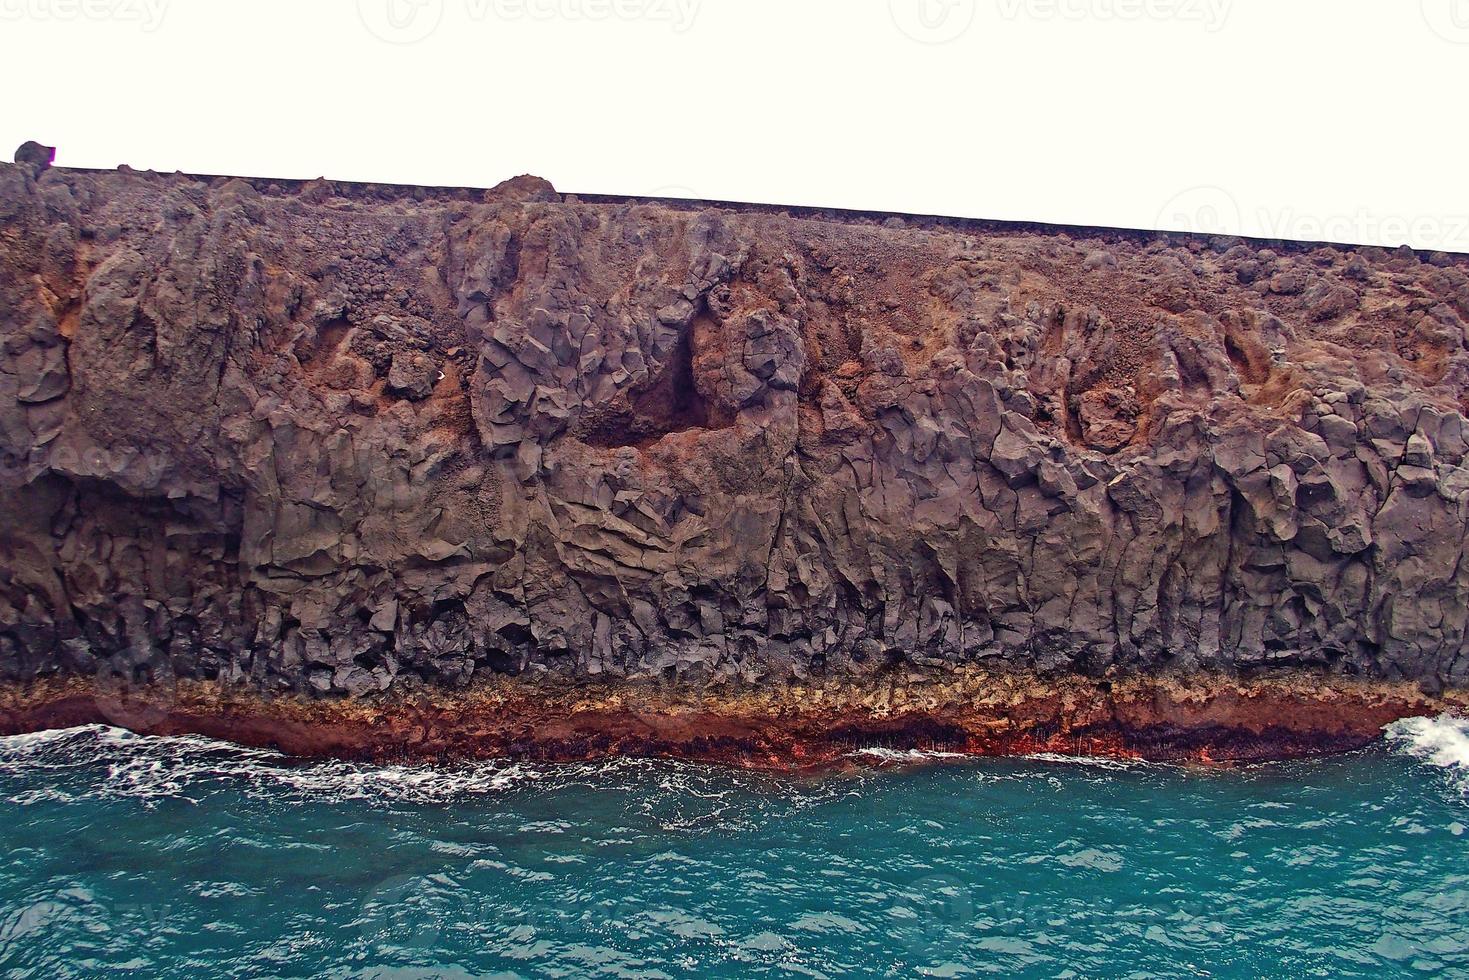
98	762
33	741
1095	761
918	756
1441	742
907	756
120	763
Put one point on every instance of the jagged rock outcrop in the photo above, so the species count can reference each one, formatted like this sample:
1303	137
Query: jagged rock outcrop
339	439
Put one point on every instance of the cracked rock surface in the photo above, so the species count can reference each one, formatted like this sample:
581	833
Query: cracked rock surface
339	439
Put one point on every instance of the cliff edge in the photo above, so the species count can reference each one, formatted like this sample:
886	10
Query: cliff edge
345	445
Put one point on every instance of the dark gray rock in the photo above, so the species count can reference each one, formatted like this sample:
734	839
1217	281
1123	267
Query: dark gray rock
413	376
33	154
716	445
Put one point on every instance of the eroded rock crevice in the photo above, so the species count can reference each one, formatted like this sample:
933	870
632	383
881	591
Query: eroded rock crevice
341	440
670	403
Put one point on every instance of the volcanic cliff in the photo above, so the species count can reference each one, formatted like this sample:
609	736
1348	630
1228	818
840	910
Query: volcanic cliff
331	448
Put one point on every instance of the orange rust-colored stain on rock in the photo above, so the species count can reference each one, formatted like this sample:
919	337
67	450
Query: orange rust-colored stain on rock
1204	720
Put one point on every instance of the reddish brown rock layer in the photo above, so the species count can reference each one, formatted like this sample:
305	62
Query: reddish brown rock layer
1207	719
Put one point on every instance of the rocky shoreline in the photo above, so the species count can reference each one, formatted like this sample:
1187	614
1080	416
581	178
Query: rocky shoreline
314	452
1210	720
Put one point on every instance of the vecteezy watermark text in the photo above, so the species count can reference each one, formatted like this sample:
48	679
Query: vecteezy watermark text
410	21
147	14
1211	210
1428	231
932	21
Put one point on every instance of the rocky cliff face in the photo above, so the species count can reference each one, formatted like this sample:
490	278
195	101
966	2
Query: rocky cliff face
341	439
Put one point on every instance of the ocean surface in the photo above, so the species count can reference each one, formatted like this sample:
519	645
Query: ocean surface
189	858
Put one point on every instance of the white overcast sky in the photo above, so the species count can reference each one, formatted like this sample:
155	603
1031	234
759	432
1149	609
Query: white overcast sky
1337	119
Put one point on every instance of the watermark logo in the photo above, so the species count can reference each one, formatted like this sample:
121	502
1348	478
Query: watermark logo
1446	231
1210	210
1210	14
139	703
933	914
932	21
1203	210
35	918
76	909
146	14
1448	18
126	466
401	914
401	21
676	191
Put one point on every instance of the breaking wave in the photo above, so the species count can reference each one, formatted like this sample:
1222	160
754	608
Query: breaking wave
101	763
1441	742
1094	761
907	756
155	767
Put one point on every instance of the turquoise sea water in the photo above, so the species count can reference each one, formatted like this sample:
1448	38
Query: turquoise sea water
185	857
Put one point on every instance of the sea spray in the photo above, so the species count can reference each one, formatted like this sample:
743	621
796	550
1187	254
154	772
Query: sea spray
1441	741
